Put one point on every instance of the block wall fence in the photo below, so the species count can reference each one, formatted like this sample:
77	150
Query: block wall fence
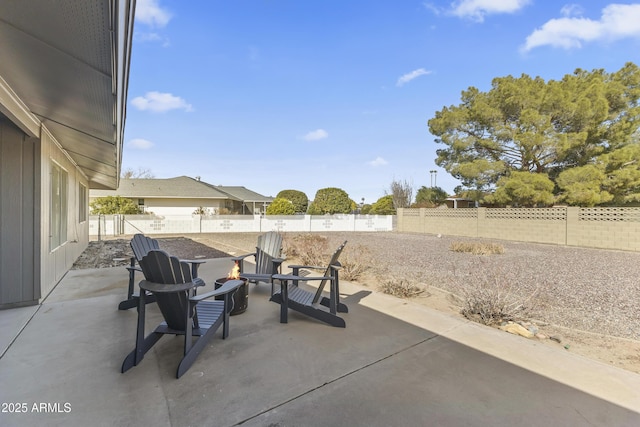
608	228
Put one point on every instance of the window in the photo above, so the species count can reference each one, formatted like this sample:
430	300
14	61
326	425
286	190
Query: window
82	203
58	215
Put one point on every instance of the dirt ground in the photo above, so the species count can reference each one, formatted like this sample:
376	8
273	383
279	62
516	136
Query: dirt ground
619	352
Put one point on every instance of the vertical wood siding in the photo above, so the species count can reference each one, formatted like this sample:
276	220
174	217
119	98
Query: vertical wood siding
19	217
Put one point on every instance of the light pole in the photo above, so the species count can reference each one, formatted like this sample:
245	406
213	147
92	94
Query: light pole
433	177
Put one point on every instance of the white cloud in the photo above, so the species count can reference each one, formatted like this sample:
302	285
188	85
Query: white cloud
147	37
433	8
151	13
618	21
140	144
571	10
379	161
158	102
316	135
142	37
406	78
478	9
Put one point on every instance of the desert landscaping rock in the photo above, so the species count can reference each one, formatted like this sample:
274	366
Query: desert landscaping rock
516	329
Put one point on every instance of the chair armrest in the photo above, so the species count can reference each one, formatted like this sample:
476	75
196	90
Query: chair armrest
228	286
302	278
134	269
194	261
161	288
314	267
241	257
259	277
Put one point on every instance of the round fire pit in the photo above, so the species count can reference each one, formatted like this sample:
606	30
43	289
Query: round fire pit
240	296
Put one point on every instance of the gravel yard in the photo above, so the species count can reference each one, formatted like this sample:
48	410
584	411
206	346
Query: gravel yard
589	289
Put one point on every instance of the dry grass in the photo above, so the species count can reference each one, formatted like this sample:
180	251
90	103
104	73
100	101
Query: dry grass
477	248
355	261
310	249
491	298
313	249
401	288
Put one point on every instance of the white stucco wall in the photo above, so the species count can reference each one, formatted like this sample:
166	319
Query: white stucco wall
171	206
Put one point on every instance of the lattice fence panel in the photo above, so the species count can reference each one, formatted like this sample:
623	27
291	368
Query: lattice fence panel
452	213
609	214
539	214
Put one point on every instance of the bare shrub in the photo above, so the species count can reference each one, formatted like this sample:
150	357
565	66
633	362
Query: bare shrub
310	249
355	261
492	297
401	288
477	248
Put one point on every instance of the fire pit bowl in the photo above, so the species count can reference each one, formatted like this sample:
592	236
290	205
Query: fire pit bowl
240	296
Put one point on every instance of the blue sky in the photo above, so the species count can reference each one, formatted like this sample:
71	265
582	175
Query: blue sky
309	94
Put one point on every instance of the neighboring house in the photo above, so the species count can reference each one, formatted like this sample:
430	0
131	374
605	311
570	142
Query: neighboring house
184	196
64	69
252	202
460	202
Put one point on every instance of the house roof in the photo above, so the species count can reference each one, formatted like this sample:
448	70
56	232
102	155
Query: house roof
244	194
65	65
179	187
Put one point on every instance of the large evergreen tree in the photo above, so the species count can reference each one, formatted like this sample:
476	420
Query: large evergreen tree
582	133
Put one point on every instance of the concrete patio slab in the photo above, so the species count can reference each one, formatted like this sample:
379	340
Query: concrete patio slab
11	323
396	363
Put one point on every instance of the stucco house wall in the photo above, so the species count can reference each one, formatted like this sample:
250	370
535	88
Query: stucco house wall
174	206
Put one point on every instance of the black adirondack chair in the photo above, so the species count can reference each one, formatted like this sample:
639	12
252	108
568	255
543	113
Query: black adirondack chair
313	304
185	313
267	258
141	245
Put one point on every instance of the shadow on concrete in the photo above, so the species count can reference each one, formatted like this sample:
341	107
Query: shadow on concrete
382	370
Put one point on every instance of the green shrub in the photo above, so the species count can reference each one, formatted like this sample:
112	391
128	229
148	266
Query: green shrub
384	206
330	201
281	206
111	205
298	198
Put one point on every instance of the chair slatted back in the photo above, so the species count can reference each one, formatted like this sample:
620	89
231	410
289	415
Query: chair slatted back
159	267
328	272
141	245
269	247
